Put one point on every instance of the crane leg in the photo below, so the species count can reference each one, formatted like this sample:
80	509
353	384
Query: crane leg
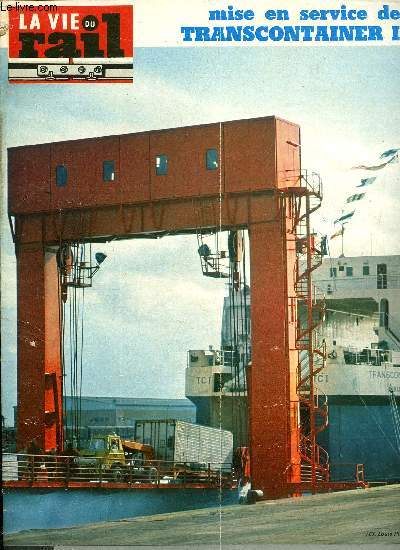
274	433
39	364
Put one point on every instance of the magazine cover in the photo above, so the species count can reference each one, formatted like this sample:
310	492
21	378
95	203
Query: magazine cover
200	270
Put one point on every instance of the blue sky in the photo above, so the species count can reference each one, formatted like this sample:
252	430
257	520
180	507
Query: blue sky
150	303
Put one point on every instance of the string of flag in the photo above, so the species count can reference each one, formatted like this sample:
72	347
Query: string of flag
390	156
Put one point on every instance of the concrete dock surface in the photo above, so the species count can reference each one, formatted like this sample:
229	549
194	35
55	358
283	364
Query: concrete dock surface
364	516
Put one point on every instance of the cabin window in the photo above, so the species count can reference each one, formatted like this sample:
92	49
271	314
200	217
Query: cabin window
212	159
381	273
161	165
365	269
349	271
61	176
333	271
341	268
108	170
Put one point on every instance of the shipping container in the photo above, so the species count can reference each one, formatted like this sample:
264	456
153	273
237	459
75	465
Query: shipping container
183	442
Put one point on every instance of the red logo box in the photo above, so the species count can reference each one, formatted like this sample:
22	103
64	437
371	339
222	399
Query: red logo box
70	44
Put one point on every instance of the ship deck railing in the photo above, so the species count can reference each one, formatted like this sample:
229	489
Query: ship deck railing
34	470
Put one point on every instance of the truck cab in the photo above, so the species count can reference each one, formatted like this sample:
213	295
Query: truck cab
117	458
107	447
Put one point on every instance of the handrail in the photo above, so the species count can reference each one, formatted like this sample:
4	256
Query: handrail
30	469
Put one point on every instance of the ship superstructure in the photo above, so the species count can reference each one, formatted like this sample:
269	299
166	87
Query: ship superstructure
362	377
361	380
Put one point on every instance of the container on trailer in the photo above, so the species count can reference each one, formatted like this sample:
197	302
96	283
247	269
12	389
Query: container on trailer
184	442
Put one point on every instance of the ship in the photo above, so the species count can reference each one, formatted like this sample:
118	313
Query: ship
360	382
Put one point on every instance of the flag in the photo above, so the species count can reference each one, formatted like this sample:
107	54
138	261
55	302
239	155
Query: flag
366	181
356	197
338	233
389	153
344	217
376	166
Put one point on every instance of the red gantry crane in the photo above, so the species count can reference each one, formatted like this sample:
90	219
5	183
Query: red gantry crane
243	174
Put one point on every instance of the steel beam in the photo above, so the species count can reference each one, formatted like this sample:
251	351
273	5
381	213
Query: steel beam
155	218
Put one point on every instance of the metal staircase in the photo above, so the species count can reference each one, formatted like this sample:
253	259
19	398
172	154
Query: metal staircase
306	199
